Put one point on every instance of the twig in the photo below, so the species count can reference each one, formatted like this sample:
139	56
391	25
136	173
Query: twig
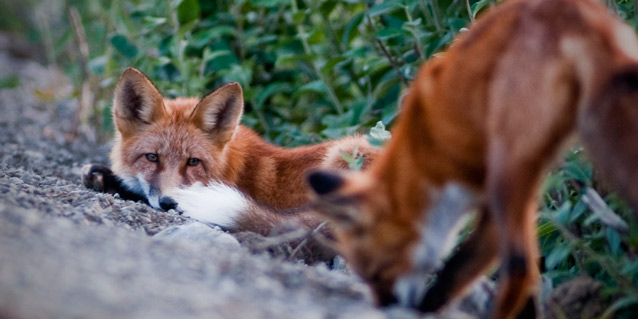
180	45
310	235
385	52
415	33
435	10
42	17
86	94
282	239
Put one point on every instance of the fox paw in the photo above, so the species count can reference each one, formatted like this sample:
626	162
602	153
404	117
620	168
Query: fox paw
93	176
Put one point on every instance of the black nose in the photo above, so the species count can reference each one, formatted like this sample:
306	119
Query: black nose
167	203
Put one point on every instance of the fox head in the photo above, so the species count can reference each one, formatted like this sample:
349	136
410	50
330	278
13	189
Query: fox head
370	239
163	144
394	252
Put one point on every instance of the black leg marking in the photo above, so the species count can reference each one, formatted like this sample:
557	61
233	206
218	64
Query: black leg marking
100	178
441	292
529	311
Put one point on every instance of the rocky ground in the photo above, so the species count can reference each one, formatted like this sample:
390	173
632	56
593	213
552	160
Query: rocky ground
67	252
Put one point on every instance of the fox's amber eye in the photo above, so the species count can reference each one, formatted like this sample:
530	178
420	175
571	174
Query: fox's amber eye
193	161
152	157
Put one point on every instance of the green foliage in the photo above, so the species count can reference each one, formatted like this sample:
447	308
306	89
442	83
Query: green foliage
314	70
9	82
310	70
378	135
579	234
354	160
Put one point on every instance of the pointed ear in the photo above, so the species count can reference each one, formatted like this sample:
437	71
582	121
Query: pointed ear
218	113
137	103
329	202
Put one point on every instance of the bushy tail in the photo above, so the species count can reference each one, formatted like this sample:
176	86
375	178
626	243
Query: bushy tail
608	127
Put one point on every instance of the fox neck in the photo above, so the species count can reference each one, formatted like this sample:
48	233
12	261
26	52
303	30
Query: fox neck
272	175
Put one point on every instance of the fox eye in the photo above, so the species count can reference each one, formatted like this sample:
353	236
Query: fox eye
152	157
193	161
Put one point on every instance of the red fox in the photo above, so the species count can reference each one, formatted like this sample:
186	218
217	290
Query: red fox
163	145
478	129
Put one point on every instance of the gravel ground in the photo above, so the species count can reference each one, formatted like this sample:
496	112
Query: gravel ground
67	252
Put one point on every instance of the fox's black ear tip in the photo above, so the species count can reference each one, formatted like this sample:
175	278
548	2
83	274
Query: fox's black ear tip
324	182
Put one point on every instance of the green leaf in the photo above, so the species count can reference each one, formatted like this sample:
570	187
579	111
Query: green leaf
557	255
97	64
603	213
388	33
269	3
271	89
202	38
578	170
239	73
383	8
153	22
412	24
456	23
378	135
123	45
620	304
351	29
355	161
613	240
563	213
315	86
476	7
187	11
546	228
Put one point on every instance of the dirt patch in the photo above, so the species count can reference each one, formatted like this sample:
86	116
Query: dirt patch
67	252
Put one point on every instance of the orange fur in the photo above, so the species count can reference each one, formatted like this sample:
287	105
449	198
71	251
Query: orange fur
208	130
492	114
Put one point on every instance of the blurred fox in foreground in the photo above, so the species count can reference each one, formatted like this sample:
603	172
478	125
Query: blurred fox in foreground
478	130
162	146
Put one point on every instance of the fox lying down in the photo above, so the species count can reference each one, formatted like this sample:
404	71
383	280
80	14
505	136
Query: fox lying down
236	179
481	125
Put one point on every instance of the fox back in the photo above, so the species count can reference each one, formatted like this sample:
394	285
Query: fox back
483	122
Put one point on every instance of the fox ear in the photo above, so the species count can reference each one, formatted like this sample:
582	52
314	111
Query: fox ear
218	113
328	200
323	183
137	103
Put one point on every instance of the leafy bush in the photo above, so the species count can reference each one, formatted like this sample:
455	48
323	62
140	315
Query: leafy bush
313	70
310	69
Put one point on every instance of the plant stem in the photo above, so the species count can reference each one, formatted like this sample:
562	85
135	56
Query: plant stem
415	33
179	44
431	16
386	52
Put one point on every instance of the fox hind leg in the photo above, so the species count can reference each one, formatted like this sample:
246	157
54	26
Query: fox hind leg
512	185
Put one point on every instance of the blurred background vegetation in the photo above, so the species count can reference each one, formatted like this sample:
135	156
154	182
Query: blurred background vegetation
311	71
